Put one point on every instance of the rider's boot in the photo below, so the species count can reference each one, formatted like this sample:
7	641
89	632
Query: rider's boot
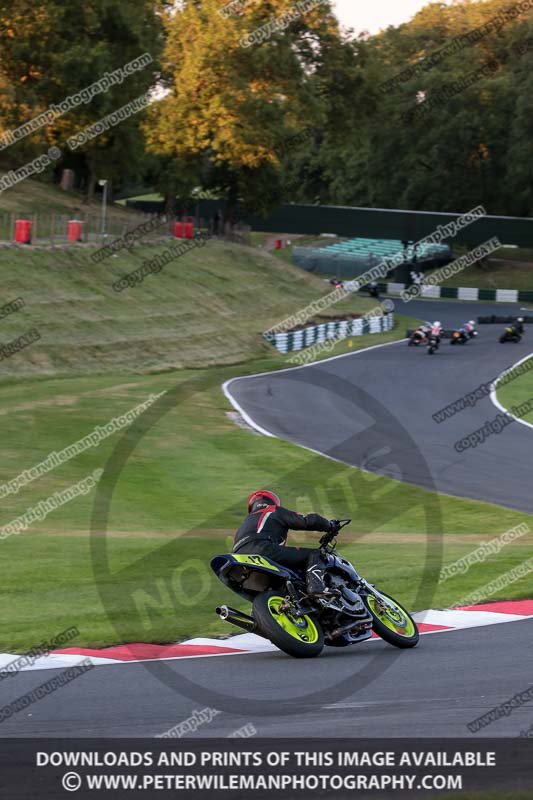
315	575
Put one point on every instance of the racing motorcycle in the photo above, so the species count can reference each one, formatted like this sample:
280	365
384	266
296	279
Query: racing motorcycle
510	335
433	344
459	337
301	624
416	338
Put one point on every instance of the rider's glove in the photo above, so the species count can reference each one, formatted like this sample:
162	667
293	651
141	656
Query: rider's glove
334	526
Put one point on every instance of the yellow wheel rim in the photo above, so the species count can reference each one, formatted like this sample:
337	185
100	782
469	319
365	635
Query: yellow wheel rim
301	628
394	617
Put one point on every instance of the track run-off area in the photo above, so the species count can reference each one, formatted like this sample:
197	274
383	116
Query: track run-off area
370	690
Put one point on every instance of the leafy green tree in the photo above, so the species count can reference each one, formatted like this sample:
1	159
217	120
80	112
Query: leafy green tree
235	103
52	50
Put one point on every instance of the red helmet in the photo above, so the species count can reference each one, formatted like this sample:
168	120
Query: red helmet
263	498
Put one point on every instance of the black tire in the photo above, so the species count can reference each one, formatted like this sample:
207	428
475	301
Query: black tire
503	339
278	636
386	633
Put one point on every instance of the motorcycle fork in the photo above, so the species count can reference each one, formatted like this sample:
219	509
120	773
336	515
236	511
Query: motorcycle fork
375	593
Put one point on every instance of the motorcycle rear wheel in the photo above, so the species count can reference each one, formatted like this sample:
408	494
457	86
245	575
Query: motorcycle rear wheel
300	637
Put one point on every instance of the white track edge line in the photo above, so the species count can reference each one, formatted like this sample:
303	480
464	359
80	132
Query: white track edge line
494	388
253	424
236	405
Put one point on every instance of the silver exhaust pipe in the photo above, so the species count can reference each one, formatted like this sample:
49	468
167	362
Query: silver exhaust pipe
238	618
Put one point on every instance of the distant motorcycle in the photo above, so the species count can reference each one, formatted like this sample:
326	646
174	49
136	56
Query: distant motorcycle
433	344
510	335
459	337
417	338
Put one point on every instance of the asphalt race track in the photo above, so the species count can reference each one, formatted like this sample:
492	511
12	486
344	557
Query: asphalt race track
450	679
323	408
436	689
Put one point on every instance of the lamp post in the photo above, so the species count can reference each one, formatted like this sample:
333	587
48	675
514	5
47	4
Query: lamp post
104	207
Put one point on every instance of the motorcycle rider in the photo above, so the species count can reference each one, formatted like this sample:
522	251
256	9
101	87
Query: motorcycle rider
264	532
421	332
436	330
518	326
470	328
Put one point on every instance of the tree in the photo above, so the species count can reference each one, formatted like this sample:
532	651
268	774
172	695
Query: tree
232	104
52	50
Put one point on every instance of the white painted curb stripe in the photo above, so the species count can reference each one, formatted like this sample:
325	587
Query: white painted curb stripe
247	643
494	389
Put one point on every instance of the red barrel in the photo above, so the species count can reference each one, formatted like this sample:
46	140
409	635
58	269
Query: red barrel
75	228
178	230
23	231
189	230
279	244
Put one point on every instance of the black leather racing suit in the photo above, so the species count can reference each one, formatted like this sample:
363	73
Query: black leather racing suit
265	532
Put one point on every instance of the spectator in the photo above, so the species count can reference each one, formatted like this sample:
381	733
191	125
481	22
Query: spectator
217	219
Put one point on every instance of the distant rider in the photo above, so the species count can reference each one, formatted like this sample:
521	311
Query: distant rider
470	328
519	325
436	330
265	530
420	334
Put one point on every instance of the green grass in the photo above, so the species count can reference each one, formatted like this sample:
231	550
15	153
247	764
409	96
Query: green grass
51	207
508	269
206	308
63	584
517	391
180	495
285	254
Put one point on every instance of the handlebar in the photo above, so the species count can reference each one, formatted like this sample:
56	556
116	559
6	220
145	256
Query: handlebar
328	537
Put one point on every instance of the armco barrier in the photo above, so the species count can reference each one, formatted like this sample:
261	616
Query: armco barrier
291	341
462	293
492	319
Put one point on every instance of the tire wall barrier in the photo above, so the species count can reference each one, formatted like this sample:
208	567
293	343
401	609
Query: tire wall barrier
291	341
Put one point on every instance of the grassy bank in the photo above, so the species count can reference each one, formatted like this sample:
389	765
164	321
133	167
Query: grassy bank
180	494
205	308
50	208
509	269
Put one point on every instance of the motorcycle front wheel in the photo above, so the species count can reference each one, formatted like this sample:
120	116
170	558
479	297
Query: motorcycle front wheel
395	625
300	637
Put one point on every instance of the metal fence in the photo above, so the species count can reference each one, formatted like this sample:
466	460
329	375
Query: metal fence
349	222
52	228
